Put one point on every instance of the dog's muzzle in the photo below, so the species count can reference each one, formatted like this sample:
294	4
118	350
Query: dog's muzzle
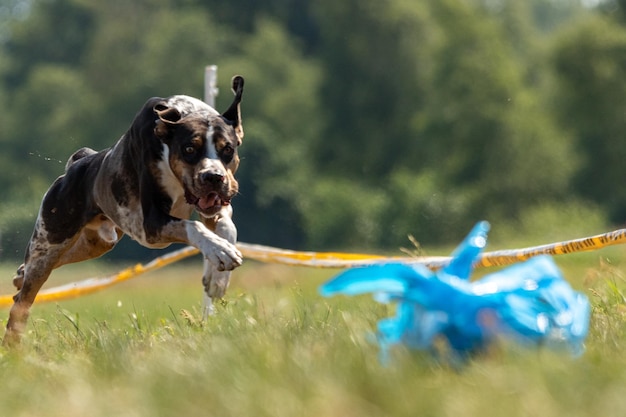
212	194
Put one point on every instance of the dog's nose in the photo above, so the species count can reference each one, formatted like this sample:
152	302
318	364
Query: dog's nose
212	177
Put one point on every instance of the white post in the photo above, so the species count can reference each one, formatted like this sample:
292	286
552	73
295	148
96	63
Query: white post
210	85
210	92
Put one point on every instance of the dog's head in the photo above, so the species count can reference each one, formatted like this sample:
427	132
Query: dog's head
200	148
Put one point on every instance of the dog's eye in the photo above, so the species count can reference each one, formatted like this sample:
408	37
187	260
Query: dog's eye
227	150
189	150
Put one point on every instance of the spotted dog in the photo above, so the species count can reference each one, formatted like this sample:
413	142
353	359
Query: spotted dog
179	155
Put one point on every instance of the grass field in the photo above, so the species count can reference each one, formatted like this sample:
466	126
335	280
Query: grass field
276	348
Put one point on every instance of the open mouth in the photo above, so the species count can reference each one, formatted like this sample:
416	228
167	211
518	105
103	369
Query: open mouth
210	202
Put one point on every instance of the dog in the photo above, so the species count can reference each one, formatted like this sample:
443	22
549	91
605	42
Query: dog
178	156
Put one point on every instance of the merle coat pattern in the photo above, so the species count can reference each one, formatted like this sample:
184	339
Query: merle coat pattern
179	155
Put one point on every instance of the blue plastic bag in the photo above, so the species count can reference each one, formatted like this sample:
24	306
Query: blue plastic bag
529	302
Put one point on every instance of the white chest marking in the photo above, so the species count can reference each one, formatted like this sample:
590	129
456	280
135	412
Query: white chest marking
171	185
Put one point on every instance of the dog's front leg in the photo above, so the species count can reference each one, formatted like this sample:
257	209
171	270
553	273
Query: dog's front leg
219	252
216	281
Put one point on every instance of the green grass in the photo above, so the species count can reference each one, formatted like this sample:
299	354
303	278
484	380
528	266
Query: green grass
276	348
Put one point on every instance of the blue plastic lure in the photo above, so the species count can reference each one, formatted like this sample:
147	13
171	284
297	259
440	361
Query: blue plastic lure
529	302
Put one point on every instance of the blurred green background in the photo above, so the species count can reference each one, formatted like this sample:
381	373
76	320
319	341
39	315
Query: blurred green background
365	120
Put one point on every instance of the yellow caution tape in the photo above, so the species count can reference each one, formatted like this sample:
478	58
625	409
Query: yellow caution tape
325	260
269	254
90	285
510	256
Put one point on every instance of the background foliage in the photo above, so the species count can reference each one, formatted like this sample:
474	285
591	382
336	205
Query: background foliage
365	120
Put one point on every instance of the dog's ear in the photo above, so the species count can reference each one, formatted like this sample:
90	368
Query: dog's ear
233	114
166	118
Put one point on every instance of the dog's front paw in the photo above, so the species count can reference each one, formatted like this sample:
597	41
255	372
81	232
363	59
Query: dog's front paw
222	254
215	283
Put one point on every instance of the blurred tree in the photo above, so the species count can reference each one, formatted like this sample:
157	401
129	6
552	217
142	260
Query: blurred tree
614	8
41	81
12	10
282	119
550	15
365	120
243	15
137	54
376	57
477	130
63	106
56	31
590	60
437	90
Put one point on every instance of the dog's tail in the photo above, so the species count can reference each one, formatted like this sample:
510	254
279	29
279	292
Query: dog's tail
81	153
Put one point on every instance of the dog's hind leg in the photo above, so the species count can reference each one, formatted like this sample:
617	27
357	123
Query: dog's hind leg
97	237
215	281
41	258
18	279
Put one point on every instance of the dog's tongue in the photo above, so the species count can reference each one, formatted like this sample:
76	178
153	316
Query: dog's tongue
209	201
